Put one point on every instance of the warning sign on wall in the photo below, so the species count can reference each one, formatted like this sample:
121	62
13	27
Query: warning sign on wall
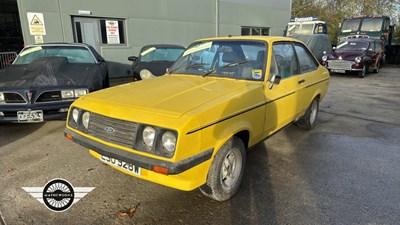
36	23
112	32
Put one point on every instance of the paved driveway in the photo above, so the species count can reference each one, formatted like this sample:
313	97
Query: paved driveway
345	171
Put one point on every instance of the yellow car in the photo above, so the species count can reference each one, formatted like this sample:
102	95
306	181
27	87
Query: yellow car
191	127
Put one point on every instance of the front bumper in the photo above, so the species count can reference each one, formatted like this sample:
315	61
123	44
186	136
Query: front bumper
186	174
50	110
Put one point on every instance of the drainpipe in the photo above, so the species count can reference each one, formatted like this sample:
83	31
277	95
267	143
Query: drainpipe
61	21
216	18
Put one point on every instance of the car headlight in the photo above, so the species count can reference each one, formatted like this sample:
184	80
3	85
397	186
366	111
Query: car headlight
80	92
65	94
85	119
357	59
146	74
149	133
75	115
73	93
324	58
168	141
1	97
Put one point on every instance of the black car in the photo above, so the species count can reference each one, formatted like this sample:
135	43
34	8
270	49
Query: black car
153	60
45	79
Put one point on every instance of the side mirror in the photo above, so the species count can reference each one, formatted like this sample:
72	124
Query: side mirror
276	79
133	58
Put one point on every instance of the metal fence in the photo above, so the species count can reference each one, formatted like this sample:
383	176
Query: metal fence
6	59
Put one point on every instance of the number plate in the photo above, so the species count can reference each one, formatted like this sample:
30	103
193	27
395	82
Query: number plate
339	71
121	164
30	116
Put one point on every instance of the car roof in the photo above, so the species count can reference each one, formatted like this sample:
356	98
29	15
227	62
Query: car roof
163	46
60	44
360	40
252	38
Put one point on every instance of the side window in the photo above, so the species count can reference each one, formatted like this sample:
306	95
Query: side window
286	60
307	62
378	46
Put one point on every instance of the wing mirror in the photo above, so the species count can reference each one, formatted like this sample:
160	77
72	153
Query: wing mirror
276	79
133	58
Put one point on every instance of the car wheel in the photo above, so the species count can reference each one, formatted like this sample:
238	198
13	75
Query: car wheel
362	73
309	119
226	171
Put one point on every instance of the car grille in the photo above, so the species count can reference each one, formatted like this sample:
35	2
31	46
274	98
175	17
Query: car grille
13	98
118	132
339	64
49	96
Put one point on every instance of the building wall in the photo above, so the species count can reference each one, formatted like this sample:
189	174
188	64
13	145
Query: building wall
154	21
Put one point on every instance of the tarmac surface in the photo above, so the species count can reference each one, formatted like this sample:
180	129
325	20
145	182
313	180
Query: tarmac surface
344	171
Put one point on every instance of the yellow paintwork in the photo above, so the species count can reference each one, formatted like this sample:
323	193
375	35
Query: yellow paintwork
187	103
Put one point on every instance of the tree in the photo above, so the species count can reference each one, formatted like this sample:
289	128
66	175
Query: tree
334	11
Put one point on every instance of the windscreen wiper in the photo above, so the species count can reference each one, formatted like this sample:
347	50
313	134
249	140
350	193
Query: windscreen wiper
236	63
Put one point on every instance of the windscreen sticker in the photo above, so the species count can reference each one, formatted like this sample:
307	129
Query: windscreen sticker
147	51
198	48
256	74
34	49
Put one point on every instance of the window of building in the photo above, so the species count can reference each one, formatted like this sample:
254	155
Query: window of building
99	31
255	31
112	31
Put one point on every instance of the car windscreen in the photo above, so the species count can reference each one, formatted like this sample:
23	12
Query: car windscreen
160	54
74	54
350	25
372	24
232	59
352	45
293	29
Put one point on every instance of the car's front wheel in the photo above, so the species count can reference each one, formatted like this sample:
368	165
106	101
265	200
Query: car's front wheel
363	72
309	119
226	171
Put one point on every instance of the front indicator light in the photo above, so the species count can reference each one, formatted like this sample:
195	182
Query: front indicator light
169	141
85	119
148	135
159	169
357	59
69	137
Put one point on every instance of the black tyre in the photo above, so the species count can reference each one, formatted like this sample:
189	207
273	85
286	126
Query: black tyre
363	72
309	119
226	171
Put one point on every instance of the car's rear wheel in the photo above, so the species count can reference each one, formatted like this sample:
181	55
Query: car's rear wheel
363	72
226	171
309	119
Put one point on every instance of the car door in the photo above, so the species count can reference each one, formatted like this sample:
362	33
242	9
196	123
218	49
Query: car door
282	99
308	66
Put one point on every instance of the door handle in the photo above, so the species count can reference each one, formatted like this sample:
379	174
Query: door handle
301	81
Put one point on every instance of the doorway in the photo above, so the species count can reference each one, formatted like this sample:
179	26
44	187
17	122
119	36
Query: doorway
87	30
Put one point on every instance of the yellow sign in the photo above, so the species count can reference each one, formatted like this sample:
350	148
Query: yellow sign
38	39
36	24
